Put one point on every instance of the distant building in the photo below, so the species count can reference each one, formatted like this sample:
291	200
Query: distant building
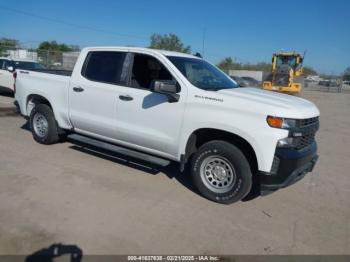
22	54
258	75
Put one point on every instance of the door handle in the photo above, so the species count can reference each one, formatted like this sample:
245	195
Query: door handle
78	89
126	98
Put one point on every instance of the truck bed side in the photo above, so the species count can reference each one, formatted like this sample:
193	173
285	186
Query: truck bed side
53	71
52	87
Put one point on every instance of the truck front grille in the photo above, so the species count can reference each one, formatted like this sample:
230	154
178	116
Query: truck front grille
308	128
305	141
306	122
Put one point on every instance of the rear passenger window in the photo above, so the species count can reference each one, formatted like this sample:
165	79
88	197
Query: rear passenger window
107	67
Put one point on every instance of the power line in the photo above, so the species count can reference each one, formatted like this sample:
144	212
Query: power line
71	24
57	21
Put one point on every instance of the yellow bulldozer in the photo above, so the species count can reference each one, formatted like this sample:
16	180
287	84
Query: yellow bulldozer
286	74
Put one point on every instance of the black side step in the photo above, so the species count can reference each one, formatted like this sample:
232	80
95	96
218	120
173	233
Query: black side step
119	149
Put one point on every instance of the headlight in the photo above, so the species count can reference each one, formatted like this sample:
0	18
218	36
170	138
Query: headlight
289	123
279	122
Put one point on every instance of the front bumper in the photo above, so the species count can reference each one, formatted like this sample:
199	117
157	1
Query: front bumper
15	103
290	165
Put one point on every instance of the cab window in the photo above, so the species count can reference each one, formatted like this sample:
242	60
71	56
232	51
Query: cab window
147	69
106	67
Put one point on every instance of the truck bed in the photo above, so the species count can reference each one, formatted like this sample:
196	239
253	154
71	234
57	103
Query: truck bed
53	85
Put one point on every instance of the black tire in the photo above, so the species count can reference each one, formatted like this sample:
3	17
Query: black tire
51	135
233	158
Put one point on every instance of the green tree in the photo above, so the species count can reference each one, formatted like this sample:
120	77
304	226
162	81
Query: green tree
309	71
54	46
50	52
6	44
346	74
169	42
74	48
261	66
227	64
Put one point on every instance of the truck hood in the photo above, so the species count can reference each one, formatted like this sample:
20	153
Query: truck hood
272	103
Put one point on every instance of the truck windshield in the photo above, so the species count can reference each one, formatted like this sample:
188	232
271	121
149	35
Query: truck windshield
202	74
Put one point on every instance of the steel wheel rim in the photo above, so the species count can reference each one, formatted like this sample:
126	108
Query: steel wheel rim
218	174
40	125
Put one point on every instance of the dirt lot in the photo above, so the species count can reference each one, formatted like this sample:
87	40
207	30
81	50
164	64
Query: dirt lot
109	205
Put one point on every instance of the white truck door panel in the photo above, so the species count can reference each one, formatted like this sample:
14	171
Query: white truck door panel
93	107
147	119
94	92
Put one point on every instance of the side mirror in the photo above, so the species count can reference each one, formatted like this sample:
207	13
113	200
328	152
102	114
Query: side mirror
169	88
10	69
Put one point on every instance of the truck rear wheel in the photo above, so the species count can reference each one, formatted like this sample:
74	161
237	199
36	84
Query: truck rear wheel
43	125
221	172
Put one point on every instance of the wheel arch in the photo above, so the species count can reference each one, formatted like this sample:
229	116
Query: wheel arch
204	135
35	99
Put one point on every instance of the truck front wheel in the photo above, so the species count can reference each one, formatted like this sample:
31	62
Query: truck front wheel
43	125
221	172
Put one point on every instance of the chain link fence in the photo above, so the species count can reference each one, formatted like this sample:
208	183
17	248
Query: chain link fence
50	59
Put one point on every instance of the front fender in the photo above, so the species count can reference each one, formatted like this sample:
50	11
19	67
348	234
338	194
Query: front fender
263	141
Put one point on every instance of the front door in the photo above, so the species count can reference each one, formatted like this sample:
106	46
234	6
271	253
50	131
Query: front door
147	119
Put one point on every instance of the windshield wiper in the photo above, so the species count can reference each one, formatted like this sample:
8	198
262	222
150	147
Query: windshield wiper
218	88
212	89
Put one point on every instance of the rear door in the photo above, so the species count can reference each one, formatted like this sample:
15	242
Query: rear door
6	77
94	92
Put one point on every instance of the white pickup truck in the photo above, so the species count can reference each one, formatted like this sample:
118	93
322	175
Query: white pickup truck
155	104
8	67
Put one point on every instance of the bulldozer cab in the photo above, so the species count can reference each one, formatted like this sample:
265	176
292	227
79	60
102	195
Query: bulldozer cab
293	60
286	71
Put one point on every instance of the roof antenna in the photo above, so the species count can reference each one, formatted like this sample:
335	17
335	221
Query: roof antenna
203	40
198	55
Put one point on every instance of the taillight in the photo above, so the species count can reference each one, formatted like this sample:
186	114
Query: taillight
14	82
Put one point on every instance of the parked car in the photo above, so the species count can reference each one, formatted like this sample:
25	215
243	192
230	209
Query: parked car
240	81
7	74
252	81
8	68
161	106
329	83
